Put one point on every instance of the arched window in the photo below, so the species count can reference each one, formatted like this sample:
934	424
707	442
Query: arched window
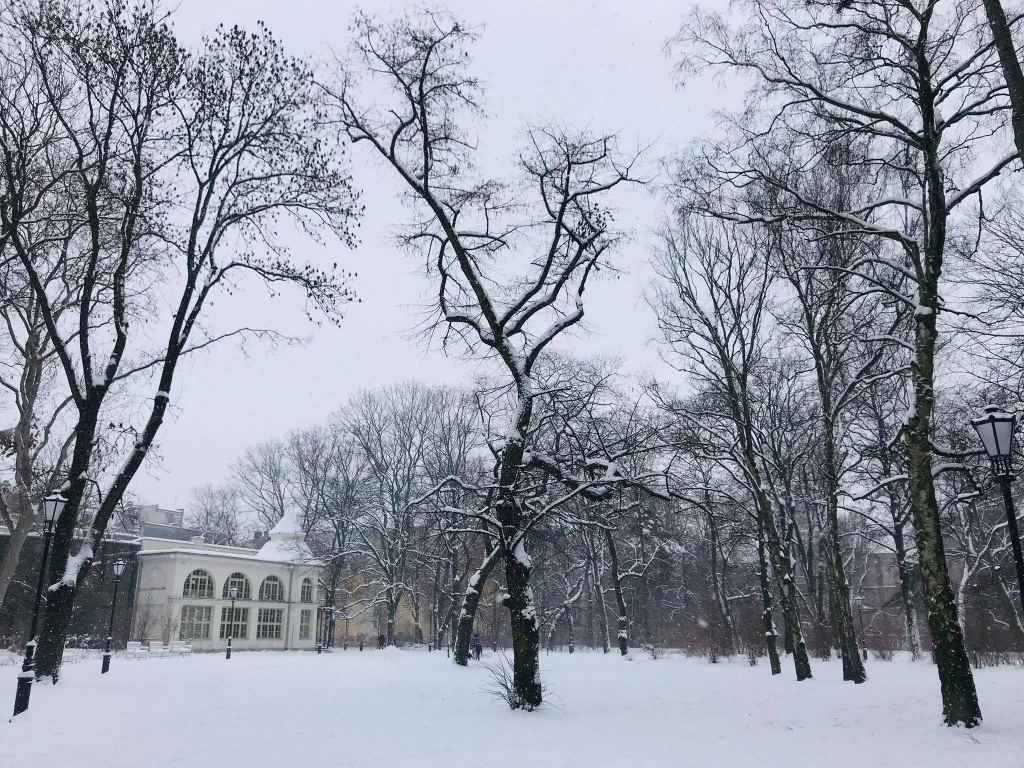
271	590
307	591
199	583
240	581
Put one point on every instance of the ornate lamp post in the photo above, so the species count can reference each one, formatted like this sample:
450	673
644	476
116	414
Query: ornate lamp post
53	506
996	430
231	619
118	570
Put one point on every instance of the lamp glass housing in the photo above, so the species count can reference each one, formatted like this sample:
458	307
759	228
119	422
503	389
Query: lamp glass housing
996	430
119	567
53	506
233	592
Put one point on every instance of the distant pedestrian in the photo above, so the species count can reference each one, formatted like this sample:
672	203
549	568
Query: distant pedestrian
382	642
360	643
478	647
344	643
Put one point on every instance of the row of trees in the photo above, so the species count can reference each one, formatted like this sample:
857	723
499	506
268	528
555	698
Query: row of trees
803	267
809	252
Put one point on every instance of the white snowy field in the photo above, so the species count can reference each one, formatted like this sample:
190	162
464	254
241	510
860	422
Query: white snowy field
398	709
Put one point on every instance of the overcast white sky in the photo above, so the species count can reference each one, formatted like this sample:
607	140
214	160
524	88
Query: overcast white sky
598	63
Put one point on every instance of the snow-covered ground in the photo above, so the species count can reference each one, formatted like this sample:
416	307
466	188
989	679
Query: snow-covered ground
399	709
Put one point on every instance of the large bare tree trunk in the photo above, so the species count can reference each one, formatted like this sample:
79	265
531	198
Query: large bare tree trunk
598	593
782	566
620	600
470	602
853	664
956	681
906	589
764	581
523	623
518	567
1010	64
724	609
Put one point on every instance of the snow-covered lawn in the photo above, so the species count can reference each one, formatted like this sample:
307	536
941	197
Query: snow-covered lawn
398	709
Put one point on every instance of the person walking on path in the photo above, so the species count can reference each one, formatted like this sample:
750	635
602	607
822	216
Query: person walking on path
382	642
478	646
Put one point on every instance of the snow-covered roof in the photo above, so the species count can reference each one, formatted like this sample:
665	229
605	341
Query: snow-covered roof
287	552
288	525
193	551
287	543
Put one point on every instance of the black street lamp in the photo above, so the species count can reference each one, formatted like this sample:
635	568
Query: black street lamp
53	506
118	570
231	619
319	629
996	430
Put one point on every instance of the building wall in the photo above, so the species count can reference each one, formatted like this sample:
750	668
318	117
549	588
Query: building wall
160	598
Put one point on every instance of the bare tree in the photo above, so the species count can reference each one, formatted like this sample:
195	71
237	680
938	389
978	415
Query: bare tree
40	440
392	428
177	168
262	478
215	510
511	263
919	92
713	310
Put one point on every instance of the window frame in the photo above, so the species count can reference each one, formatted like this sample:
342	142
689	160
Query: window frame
273	582
306	591
193	621
305	623
189	588
243	583
240	620
269	623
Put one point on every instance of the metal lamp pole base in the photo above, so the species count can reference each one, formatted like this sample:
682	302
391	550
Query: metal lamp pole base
28	674
28	668
231	629
110	629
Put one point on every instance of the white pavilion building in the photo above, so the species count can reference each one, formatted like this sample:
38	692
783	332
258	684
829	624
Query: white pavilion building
183	592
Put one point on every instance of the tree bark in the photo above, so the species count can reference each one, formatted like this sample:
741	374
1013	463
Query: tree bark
956	681
853	664
724	610
906	589
620	600
782	566
1011	67
770	635
392	601
595	583
470	601
523	621
959	696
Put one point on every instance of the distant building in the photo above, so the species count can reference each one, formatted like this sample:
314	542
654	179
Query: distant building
156	515
183	591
